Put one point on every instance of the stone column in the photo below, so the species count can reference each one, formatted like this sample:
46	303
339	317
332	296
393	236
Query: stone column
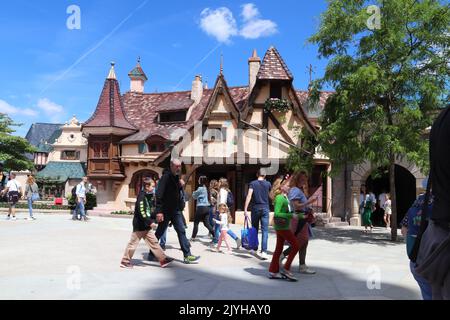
355	219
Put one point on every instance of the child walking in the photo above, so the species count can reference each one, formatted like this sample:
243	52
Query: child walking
225	219
142	228
387	210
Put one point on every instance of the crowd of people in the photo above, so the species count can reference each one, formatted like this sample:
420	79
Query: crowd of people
369	205
160	205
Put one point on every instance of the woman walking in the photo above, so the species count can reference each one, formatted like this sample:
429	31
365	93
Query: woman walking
387	206
367	213
203	207
213	197
301	227
282	220
32	194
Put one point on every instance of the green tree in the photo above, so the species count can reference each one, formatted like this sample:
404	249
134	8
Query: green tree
13	149
389	79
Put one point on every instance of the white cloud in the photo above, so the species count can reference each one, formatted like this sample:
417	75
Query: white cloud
254	26
249	11
49	106
5	107
258	28
51	109
219	23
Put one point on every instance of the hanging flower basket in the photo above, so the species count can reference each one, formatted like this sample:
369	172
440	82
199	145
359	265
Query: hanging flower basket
278	106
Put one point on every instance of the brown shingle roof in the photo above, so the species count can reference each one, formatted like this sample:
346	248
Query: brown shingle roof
142	111
109	112
273	67
315	112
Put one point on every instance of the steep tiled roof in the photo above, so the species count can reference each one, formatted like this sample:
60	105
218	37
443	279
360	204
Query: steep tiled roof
109	112
142	111
41	132
138	73
62	171
273	67
313	113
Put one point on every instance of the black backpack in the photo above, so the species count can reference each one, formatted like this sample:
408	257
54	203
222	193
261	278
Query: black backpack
230	200
74	192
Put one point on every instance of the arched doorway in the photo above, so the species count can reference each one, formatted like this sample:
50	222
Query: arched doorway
137	180
405	185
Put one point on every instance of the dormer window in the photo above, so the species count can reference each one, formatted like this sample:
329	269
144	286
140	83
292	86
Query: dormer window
275	91
143	148
168	117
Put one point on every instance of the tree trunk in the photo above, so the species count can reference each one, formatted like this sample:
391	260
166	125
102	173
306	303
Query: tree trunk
393	198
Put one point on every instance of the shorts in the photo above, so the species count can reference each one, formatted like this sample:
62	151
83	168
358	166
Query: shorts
388	212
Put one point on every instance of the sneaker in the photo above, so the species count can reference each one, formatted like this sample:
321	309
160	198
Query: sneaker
274	276
191	259
31	218
238	243
8	218
305	270
86	219
192	240
286	274
166	262
150	257
126	265
14	218
264	256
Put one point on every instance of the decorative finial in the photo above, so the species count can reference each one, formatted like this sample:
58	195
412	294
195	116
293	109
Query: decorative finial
112	72
221	63
139	60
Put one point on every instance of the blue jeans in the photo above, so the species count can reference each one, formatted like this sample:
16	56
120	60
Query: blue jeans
261	215
79	208
30	207
163	240
425	287
178	224
217	233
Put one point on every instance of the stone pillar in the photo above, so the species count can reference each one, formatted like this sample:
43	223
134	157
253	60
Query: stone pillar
355	219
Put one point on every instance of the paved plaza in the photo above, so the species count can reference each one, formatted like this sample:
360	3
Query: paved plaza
56	258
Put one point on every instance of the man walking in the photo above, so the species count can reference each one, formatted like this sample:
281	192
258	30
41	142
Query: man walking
81	200
258	193
13	191
169	204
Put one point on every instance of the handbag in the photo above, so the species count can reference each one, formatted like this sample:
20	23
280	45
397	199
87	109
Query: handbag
249	237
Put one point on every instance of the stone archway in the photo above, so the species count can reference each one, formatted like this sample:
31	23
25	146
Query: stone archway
362	172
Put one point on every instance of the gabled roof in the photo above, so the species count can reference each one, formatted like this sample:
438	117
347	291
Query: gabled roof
109	111
314	113
41	132
273	67
62	171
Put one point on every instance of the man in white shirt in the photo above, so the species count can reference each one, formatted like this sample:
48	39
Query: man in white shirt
13	190
81	199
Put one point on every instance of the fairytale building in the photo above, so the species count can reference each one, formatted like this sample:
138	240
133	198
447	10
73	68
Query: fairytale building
225	131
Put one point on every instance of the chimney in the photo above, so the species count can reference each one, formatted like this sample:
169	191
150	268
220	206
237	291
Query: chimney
254	63
197	89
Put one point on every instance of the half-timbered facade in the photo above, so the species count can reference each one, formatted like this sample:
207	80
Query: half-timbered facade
224	131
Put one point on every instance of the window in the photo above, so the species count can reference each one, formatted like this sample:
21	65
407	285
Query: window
275	91
101	150
143	148
214	134
70	155
179	116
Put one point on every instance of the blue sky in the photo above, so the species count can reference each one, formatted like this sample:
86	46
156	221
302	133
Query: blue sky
49	72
